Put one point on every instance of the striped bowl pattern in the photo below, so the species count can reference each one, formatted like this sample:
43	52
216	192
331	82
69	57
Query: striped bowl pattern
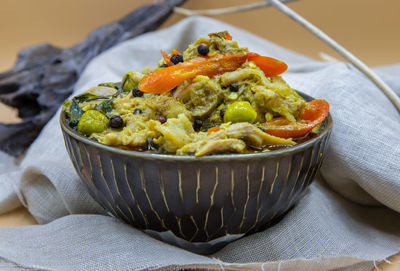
198	199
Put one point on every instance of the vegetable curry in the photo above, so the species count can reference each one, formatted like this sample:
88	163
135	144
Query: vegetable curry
215	97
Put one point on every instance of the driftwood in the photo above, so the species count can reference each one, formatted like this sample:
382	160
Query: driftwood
45	75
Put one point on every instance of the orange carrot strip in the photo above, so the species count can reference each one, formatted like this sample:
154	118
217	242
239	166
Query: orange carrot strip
314	114
174	52
270	66
166	58
213	129
166	79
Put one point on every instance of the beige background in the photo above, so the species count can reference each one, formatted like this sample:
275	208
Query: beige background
368	28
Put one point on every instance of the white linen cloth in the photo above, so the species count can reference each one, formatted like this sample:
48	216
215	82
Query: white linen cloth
348	220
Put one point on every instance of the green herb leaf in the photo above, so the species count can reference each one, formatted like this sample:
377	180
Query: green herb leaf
110	85
87	97
84	97
75	113
207	124
105	107
151	146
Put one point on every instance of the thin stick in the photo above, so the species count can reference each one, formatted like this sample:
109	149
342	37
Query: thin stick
340	49
221	11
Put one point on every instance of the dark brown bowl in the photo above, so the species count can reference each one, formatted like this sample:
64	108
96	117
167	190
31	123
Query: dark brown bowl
198	199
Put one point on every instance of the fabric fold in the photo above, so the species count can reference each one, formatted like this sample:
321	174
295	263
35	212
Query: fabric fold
305	238
348	219
9	174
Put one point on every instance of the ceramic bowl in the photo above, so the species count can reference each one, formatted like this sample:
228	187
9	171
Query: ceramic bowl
198	199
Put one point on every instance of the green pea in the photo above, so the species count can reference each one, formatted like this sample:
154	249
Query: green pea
92	121
241	111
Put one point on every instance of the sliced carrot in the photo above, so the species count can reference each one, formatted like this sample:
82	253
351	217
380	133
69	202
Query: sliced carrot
166	79
166	58
174	52
213	129
314	114
270	66
316	110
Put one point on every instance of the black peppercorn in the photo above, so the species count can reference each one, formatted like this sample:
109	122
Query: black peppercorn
136	92
197	124
137	111
203	49
176	59
222	113
234	87
161	119
116	121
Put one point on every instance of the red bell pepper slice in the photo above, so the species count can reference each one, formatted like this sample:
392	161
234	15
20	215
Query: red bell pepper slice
314	114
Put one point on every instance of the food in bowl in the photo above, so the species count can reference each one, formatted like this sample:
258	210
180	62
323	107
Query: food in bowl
213	98
205	169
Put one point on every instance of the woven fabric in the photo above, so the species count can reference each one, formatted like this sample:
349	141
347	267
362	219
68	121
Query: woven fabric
348	219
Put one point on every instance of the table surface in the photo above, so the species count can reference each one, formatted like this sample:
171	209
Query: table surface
369	29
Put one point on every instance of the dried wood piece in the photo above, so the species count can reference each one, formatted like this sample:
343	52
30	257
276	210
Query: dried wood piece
45	75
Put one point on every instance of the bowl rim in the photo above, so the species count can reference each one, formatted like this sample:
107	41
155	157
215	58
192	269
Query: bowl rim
173	157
